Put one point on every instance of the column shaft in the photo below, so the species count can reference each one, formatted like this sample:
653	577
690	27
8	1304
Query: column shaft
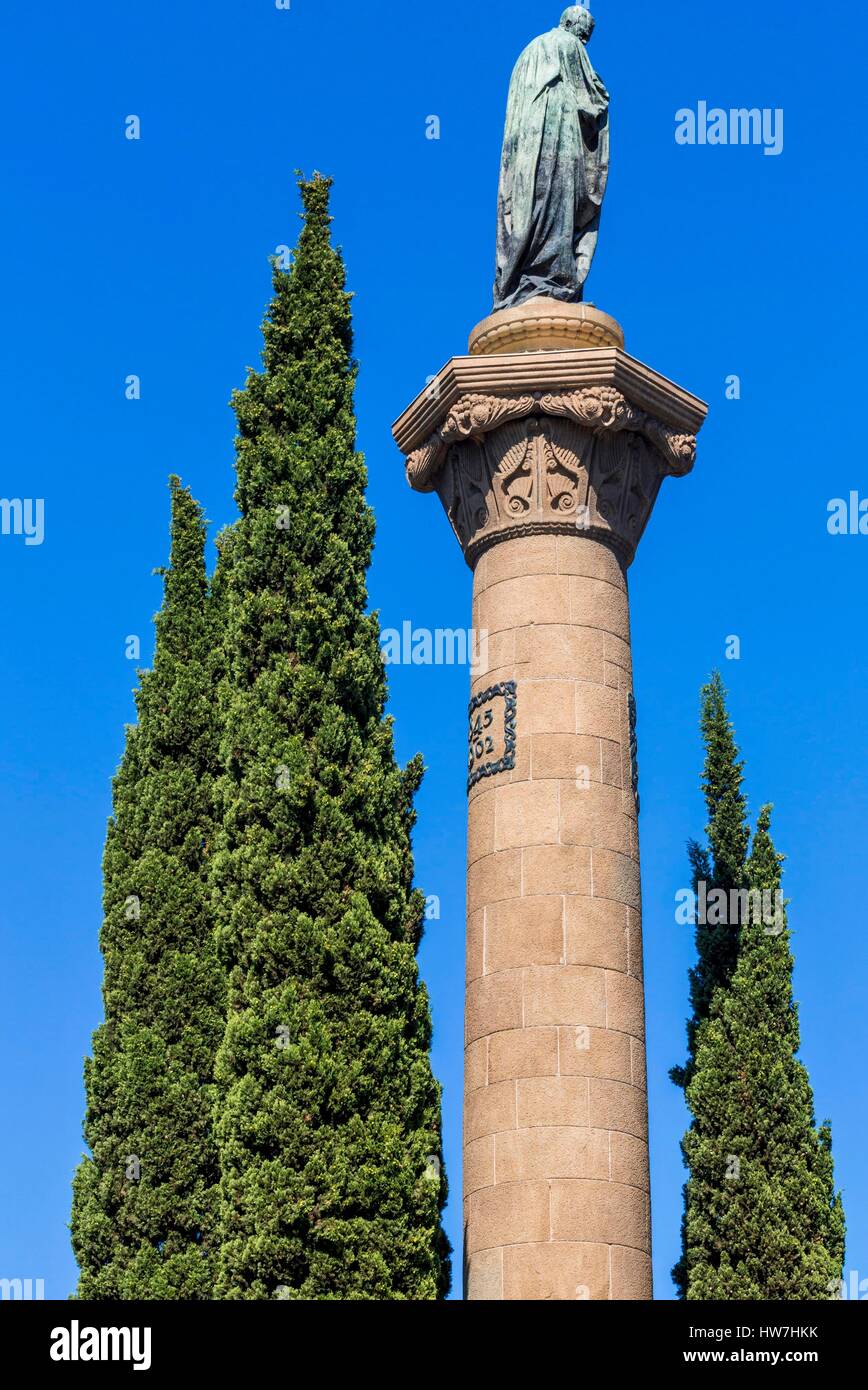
556	1180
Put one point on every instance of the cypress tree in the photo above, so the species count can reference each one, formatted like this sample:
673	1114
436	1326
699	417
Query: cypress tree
720	865
762	1218
328	1118
145	1200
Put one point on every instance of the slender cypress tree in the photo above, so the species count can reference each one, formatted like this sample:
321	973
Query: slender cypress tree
762	1220
145	1200
328	1119
719	866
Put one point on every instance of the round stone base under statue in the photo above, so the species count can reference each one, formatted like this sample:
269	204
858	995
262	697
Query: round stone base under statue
545	325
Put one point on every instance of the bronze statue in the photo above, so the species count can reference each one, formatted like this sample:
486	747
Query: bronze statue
554	167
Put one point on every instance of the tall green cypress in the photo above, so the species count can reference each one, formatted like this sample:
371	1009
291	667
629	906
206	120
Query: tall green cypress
145	1200
761	1216
720	865
328	1121
763	1220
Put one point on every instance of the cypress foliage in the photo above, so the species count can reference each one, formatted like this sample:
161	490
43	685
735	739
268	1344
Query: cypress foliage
719	866
762	1219
328	1119
145	1201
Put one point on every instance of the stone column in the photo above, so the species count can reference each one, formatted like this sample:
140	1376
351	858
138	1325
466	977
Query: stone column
547	446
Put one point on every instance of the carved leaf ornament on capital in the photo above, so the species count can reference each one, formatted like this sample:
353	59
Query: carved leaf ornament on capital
563	461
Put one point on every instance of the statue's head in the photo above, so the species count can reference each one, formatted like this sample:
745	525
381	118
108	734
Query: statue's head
579	21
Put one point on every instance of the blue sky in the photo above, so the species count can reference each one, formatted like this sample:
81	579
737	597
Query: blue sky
150	258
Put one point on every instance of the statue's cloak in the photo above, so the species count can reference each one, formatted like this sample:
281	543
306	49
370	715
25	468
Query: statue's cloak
553	172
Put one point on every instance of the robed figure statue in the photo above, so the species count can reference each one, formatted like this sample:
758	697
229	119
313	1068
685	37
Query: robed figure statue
554	167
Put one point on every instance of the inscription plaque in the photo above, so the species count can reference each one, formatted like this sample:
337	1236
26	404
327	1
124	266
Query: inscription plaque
491	737
634	750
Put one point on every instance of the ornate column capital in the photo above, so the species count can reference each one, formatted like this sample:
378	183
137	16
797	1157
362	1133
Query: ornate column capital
524	443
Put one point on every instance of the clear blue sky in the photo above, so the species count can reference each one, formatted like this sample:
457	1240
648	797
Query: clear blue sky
151	258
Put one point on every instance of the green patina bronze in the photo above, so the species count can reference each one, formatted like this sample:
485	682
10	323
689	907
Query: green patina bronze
554	167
